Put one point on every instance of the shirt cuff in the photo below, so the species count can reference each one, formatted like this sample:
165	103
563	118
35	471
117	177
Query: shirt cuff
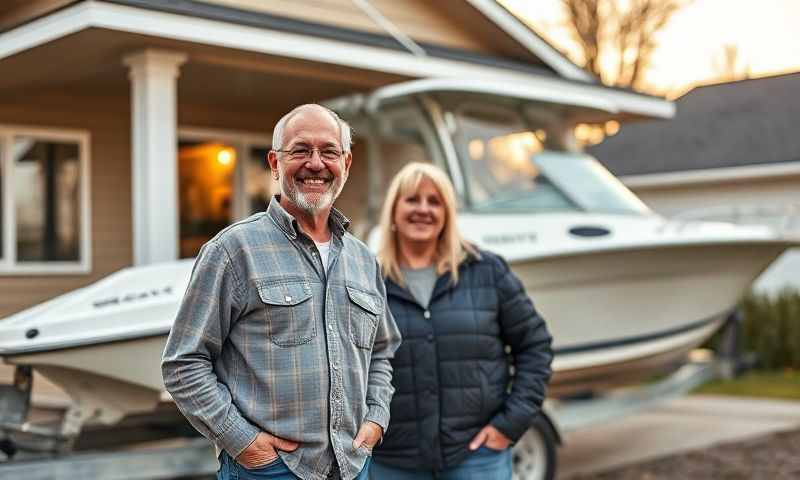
237	434
379	415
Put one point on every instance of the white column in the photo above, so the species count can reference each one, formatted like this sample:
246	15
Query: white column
154	141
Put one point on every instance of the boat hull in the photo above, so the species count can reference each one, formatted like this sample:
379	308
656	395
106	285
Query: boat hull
618	317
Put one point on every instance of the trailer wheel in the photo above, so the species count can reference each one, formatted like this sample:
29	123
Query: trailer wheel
535	453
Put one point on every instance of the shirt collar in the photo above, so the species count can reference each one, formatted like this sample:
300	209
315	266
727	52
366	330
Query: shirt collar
337	221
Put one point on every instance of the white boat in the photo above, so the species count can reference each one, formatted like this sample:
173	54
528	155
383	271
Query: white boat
626	293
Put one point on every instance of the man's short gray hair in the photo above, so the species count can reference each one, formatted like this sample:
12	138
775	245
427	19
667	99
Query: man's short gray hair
345	132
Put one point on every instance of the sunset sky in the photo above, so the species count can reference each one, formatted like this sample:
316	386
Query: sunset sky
764	31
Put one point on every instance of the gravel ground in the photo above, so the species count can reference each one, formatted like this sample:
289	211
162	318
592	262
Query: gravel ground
773	457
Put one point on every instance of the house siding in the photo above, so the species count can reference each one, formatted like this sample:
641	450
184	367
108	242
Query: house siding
14	13
423	21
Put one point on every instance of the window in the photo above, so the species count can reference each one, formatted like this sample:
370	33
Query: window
222	177
510	166
44	210
259	184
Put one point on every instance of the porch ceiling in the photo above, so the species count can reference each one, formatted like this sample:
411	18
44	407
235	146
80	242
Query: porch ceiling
90	63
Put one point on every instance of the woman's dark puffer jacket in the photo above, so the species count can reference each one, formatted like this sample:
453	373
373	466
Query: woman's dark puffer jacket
451	373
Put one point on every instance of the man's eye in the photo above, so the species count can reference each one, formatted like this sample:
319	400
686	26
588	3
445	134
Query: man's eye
330	154
299	152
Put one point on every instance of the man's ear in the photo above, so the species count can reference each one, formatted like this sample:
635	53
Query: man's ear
348	159
272	160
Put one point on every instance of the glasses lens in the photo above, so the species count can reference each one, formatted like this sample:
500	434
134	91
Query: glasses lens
299	153
330	154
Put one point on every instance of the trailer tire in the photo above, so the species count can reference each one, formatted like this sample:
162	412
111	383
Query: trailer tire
535	453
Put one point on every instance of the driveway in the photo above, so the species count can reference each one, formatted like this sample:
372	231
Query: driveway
687	423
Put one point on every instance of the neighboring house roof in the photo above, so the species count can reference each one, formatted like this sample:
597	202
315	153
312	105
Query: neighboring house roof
741	123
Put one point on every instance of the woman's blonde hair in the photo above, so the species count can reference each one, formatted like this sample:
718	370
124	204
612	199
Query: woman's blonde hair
451	250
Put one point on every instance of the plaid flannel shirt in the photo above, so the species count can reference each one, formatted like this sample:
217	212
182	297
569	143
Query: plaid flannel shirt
265	340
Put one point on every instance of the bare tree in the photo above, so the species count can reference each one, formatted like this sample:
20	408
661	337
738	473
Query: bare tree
616	38
729	66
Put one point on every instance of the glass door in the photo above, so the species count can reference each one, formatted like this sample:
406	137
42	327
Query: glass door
205	190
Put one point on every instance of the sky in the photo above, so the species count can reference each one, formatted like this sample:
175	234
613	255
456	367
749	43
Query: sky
765	33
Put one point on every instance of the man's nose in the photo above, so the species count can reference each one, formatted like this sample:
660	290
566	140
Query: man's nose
315	162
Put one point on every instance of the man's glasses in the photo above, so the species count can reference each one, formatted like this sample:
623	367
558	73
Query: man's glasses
305	153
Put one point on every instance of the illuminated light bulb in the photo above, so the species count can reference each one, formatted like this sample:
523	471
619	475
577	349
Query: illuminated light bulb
612	127
224	157
582	131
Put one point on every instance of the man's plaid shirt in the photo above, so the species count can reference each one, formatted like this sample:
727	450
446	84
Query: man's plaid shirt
265	340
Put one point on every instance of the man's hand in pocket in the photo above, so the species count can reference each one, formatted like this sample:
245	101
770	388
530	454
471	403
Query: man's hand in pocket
263	450
368	435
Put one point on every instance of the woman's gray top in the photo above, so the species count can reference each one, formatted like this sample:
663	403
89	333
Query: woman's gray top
420	282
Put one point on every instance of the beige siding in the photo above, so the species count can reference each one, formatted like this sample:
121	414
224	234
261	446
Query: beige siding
107	121
15	12
422	20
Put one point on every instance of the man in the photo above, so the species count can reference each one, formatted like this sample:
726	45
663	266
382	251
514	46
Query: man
280	351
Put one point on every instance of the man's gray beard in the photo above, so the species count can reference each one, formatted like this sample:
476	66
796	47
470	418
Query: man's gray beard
288	188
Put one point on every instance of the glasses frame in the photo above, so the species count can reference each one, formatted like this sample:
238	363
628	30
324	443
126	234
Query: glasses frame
311	153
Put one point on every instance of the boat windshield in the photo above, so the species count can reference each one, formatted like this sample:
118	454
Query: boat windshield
512	166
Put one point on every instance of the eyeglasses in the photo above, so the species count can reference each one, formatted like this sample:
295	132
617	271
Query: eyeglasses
305	153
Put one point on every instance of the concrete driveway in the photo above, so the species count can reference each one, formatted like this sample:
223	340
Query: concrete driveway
687	423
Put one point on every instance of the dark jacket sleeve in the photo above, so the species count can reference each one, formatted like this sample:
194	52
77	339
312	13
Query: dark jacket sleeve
526	333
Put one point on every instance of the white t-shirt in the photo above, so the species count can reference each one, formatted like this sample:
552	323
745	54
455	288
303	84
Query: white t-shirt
324	251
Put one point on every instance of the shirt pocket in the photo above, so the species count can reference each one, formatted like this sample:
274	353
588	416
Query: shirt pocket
289	311
364	310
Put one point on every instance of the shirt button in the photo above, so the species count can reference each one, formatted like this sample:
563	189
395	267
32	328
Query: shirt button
430	337
331	326
427	314
288	298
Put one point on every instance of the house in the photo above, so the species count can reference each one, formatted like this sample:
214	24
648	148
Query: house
131	131
731	152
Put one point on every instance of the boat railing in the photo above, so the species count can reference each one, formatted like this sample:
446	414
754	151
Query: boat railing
783	219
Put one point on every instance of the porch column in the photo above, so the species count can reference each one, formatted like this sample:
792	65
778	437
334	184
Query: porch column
154	141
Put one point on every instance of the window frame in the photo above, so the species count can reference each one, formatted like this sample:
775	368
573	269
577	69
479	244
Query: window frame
9	265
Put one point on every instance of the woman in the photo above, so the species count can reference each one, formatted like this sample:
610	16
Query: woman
453	415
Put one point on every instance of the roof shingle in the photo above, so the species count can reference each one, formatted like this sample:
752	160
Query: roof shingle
747	122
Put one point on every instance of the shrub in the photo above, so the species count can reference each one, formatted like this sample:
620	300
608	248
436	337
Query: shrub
771	329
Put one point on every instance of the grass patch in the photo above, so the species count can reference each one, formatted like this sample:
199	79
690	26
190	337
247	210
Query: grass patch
783	385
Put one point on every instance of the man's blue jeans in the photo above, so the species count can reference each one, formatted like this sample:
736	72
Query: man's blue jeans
482	464
230	469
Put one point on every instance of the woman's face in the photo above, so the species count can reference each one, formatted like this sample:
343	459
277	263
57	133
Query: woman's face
419	216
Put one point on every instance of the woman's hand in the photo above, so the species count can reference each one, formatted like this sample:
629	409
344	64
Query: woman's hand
491	438
263	450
